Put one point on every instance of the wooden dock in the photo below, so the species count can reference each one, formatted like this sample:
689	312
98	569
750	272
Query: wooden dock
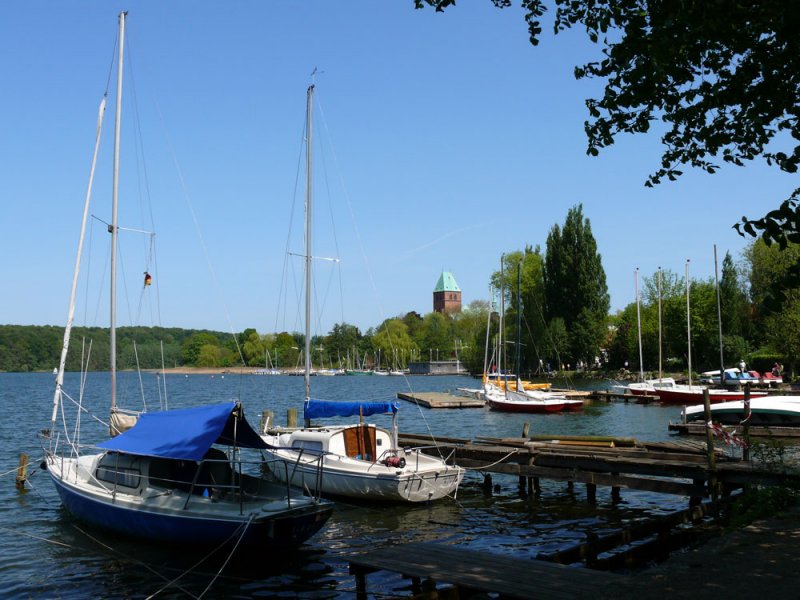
479	571
679	468
611	396
440	400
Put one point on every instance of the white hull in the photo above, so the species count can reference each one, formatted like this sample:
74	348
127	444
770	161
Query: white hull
421	479
776	411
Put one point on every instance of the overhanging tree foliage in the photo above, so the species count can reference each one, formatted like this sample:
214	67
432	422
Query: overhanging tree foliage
723	76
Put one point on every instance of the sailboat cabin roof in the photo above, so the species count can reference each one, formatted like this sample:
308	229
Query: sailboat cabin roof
446	283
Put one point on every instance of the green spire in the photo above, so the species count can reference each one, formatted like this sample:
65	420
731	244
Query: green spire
446	283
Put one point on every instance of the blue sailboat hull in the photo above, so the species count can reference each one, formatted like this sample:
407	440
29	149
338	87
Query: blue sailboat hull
281	531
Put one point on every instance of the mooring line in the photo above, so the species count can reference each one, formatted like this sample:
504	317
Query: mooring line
132	559
36	537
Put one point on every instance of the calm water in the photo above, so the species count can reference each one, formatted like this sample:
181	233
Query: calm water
45	553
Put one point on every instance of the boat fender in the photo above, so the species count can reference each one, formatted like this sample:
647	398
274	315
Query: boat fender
395	461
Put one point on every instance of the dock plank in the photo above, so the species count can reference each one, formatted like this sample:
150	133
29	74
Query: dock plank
440	400
484	571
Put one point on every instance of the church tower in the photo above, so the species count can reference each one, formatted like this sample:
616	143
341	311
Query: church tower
446	294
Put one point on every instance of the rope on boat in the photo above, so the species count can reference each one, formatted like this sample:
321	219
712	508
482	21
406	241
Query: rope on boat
132	559
233	550
36	537
169	584
489	466
14	470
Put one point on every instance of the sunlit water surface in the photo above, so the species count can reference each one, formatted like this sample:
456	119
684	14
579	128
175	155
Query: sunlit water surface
46	553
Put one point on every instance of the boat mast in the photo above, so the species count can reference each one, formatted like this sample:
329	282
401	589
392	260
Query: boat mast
689	326
638	321
76	271
113	229
488	326
309	98
660	355
517	361
719	318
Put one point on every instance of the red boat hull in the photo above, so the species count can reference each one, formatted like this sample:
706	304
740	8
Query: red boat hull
684	397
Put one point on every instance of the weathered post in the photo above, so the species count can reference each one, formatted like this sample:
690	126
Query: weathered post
22	471
591	492
291	418
712	460
746	421
487	484
523	485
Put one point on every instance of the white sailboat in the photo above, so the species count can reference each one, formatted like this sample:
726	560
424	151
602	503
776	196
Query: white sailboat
164	479
359	461
508	396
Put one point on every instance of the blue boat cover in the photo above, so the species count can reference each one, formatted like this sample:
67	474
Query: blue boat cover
319	409
186	433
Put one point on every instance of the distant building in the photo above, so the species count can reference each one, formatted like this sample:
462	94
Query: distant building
447	294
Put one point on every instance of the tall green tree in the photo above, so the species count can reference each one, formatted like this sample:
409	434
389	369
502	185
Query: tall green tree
780	324
394	343
436	337
575	285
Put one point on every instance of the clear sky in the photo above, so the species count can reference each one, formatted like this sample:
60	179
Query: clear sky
454	138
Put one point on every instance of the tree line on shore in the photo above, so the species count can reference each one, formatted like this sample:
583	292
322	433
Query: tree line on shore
563	315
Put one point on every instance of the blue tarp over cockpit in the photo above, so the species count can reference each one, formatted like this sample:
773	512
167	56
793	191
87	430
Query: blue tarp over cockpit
186	433
319	409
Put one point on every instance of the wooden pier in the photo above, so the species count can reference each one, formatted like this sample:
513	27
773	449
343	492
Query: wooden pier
472	571
611	396
440	400
679	468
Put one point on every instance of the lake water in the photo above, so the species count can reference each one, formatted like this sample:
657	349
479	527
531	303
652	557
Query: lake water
45	553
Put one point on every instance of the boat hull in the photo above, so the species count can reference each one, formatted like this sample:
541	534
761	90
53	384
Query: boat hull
535	406
764	412
341	478
164	522
687	397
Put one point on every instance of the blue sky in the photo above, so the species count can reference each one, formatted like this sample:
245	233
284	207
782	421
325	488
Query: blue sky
449	139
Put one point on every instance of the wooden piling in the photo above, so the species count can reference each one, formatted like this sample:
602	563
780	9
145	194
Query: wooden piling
22	471
591	493
746	432
291	417
487	484
712	458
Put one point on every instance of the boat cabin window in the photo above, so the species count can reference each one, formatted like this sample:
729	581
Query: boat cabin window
308	445
121	476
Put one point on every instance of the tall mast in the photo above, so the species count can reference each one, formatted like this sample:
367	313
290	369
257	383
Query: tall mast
660	356
719	317
517	360
689	326
638	321
76	271
113	228
310	95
